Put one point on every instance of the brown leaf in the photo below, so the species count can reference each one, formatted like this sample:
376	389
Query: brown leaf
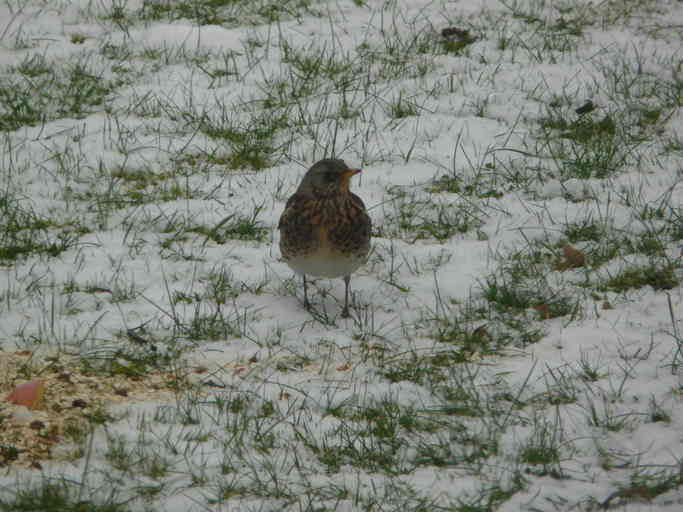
29	394
481	333
543	310
573	257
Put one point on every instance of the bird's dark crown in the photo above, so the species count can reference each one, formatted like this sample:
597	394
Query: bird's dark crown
326	177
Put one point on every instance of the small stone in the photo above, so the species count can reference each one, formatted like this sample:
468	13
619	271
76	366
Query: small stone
587	107
37	425
460	34
80	403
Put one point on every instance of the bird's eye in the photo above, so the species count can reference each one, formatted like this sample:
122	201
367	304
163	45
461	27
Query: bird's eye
330	177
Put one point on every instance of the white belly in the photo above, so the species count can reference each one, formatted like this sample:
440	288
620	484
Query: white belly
325	264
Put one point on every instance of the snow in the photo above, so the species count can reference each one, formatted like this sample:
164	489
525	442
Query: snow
473	109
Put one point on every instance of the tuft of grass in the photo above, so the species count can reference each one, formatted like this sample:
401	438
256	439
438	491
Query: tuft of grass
412	216
659	277
523	284
212	326
645	486
454	40
402	107
55	497
477	188
37	91
420	369
251	145
223	12
586	147
235	226
24	233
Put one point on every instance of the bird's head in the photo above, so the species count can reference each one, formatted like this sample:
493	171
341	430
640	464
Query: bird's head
327	177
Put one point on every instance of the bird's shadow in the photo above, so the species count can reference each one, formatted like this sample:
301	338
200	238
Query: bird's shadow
326	301
325	306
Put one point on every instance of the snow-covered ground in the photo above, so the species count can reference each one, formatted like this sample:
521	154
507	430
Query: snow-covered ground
515	337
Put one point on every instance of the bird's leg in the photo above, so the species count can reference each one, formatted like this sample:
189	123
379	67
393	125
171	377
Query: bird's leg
345	311
307	304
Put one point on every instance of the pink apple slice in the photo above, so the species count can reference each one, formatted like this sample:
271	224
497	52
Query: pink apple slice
29	394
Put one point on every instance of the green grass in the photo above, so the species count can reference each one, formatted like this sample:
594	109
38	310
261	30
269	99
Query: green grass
24	233
37	91
413	216
222	12
54	497
251	145
659	277
308	411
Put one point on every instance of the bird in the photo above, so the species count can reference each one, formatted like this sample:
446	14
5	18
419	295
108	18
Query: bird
325	228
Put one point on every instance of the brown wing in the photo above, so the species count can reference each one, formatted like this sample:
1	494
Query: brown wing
340	221
298	225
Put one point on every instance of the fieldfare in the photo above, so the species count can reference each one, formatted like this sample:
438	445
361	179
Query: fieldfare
325	228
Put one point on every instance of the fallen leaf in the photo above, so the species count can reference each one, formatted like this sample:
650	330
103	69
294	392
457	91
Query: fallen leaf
543	310
29	394
481	334
573	258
